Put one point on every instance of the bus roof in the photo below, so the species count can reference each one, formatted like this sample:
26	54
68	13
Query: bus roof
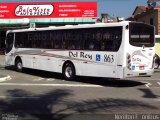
157	36
73	26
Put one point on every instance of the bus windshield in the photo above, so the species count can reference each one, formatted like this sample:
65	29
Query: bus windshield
141	34
9	42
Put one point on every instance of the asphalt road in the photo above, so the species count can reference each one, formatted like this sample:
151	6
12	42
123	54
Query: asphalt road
39	95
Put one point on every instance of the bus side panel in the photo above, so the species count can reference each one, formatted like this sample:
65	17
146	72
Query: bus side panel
27	61
49	63
120	72
121	54
27	56
94	63
95	70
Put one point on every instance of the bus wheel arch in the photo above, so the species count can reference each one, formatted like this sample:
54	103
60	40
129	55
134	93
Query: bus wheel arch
18	64
68	70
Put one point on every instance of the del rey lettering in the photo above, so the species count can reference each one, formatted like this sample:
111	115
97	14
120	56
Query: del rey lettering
34	10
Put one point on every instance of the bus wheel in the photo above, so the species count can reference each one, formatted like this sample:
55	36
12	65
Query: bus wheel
69	71
156	62
18	65
156	65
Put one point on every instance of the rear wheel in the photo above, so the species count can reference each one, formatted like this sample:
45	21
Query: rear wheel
156	62
18	65
69	71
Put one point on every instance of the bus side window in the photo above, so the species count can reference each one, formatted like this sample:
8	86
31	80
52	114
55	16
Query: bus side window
91	46
106	42
112	38
78	40
97	36
17	40
102	46
58	40
73	39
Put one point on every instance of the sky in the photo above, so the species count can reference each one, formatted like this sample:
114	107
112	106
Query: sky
116	8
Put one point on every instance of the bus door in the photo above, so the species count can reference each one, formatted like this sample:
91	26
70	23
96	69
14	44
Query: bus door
9	51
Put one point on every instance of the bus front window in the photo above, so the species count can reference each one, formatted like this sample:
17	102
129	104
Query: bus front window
9	42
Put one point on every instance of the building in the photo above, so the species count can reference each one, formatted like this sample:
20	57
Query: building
18	15
148	14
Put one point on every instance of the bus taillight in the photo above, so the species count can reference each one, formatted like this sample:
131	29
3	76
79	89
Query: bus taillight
141	67
129	61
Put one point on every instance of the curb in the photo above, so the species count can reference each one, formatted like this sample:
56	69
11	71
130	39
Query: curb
5	78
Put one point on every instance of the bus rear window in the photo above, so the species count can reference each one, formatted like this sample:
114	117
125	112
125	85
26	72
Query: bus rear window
141	34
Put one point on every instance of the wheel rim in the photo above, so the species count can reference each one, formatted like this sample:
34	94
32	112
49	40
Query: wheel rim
19	65
155	65
68	72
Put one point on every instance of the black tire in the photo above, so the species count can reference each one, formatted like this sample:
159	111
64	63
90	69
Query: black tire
18	65
69	71
156	62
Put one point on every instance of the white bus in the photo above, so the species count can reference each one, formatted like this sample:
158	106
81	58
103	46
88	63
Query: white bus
114	50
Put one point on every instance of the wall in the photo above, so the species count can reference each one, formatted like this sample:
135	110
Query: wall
138	11
159	22
146	19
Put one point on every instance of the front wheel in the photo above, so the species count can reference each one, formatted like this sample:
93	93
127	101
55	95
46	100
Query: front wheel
18	65
69	71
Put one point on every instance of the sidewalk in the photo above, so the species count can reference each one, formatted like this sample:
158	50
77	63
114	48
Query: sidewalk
2	60
4	78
